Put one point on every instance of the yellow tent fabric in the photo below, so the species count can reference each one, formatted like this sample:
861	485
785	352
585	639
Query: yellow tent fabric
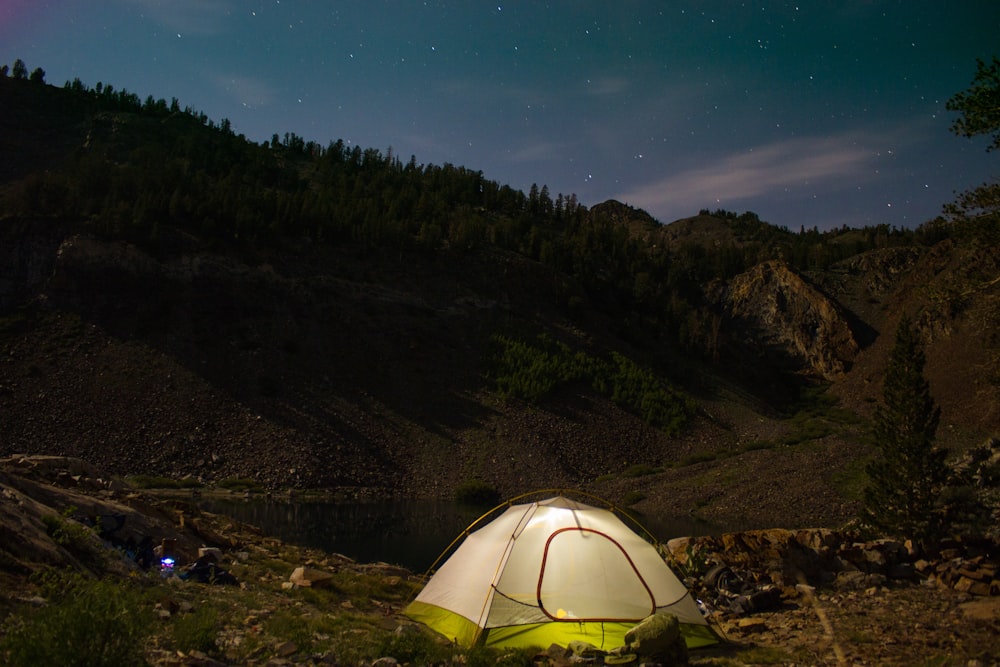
554	571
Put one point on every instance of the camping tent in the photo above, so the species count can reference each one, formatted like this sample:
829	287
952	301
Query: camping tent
550	572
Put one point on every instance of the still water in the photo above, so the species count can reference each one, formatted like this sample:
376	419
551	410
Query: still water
411	533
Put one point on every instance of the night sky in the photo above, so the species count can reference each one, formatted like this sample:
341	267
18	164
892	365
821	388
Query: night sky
813	113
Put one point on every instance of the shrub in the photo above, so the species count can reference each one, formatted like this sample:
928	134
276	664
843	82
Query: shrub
154	482
530	371
477	492
641	470
95	624
633	497
697	457
242	484
197	630
73	536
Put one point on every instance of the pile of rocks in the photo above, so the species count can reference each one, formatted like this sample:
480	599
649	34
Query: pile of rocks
786	560
971	569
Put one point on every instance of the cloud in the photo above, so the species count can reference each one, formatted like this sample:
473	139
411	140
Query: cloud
196	17
538	151
607	85
245	90
816	164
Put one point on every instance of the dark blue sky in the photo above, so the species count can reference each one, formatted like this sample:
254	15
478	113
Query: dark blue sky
812	113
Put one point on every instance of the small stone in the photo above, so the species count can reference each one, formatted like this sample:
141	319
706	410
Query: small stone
285	649
751	625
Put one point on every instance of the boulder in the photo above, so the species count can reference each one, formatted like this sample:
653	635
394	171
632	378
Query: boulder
309	577
658	637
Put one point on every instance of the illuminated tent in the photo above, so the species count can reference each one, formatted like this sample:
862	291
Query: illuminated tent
550	572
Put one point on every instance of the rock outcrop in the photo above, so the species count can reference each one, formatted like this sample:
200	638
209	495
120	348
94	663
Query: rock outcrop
778	313
735	564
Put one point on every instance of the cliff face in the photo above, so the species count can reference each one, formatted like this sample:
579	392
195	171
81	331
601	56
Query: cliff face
775	312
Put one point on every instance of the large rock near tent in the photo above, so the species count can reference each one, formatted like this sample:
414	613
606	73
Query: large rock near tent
658	637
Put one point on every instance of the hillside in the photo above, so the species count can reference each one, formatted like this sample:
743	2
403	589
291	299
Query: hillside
176	300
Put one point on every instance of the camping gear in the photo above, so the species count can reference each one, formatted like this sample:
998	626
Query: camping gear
552	572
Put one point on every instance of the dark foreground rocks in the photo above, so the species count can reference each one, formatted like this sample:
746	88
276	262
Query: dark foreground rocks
821	596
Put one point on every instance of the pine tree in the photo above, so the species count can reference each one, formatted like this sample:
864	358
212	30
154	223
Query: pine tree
20	70
908	473
979	106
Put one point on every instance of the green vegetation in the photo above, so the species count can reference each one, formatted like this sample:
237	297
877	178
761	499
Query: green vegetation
979	106
197	631
641	470
238	484
698	457
632	497
153	168
73	536
908	473
156	482
530	371
477	492
852	480
105	622
96	623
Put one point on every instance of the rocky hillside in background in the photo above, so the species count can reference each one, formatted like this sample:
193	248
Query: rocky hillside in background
776	312
156	340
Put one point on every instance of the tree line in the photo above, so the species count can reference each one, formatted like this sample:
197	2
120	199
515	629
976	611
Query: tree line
148	165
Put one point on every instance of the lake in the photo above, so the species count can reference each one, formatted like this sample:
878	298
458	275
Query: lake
411	533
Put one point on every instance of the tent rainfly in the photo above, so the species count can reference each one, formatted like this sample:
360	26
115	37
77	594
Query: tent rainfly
551	572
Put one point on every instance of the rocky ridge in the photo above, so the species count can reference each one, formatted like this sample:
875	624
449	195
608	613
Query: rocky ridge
781	310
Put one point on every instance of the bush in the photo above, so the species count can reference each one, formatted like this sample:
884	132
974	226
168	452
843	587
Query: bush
632	497
530	371
95	624
697	457
477	492
641	470
197	631
74	537
154	482
242	484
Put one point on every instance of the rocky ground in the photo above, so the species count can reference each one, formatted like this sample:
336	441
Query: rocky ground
777	597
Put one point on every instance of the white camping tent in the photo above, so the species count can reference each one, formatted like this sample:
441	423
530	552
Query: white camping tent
551	572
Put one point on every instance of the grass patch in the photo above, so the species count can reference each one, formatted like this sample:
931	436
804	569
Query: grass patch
197	630
641	470
75	537
242	484
633	497
13	322
478	493
758	445
290	625
361	589
94	623
697	457
532	370
155	482
807	429
767	655
851	480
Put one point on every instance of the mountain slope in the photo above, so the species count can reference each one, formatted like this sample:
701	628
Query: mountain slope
177	301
